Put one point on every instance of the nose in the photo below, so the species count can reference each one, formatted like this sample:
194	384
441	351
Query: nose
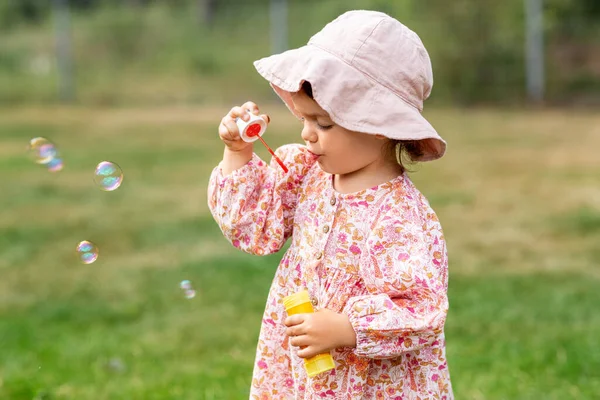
308	134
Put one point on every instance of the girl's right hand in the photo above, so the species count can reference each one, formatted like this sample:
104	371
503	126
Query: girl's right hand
228	129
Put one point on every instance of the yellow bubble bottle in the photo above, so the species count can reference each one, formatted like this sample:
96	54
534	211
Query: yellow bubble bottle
299	303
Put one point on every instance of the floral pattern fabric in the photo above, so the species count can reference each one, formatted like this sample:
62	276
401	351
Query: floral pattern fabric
377	255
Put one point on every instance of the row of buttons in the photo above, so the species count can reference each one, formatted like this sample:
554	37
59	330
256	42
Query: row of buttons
326	228
313	299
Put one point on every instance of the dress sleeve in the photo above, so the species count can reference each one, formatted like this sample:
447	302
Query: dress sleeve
405	273
255	205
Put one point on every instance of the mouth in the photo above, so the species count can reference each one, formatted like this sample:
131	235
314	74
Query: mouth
314	154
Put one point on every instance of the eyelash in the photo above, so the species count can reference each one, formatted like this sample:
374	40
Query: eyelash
324	128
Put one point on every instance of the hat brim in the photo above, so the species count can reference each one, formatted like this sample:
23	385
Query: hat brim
352	99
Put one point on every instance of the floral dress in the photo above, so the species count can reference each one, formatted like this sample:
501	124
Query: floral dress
377	255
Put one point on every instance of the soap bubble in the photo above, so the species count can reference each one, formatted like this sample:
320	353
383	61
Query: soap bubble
42	150
186	286
116	365
55	165
87	251
108	176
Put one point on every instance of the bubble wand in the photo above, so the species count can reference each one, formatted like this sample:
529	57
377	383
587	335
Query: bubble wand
252	131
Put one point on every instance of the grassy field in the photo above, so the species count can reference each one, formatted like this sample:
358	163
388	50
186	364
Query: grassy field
518	195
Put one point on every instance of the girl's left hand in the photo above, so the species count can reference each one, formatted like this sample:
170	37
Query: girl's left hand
319	332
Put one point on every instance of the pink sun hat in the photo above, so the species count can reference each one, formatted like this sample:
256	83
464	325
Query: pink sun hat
368	71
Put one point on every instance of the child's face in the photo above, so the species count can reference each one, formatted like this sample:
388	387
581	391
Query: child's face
340	150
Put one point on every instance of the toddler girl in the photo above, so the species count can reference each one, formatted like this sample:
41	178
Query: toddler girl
364	241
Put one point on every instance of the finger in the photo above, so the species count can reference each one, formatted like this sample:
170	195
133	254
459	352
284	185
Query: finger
233	132
307	352
294	320
300	341
225	128
249	105
224	132
266	118
295	330
239	112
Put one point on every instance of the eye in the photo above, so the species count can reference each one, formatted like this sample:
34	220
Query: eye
322	127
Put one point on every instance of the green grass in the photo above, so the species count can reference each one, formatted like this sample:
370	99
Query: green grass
522	239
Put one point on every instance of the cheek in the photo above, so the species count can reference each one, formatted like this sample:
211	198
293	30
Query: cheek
336	144
349	151
341	159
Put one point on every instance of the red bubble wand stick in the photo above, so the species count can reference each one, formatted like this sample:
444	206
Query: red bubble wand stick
253	130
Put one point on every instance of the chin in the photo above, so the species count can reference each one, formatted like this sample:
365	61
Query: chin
329	169
324	166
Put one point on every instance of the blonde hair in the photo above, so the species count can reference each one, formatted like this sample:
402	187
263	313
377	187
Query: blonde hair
405	152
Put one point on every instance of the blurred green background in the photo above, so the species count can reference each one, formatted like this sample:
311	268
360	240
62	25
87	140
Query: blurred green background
201	51
518	194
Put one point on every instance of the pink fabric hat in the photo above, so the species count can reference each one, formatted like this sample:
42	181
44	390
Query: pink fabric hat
368	71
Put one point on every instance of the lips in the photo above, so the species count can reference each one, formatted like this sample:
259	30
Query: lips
315	155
